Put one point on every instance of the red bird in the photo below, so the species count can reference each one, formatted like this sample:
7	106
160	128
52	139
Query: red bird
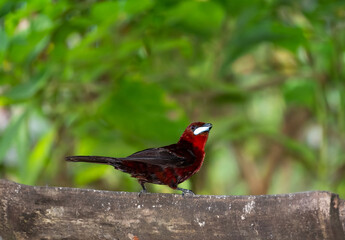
169	165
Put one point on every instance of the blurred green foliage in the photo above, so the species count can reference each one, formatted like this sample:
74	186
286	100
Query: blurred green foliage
114	77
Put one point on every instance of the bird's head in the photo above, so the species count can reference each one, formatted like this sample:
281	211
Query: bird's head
197	134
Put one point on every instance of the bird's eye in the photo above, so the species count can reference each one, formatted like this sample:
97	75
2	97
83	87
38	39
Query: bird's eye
193	128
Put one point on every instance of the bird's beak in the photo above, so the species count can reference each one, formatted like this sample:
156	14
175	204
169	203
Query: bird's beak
204	128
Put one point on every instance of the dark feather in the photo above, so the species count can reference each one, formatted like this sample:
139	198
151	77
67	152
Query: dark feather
92	159
163	157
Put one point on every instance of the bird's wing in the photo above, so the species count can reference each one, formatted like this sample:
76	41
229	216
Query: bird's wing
170	156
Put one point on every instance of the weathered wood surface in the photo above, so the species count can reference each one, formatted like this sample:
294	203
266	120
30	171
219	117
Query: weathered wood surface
28	212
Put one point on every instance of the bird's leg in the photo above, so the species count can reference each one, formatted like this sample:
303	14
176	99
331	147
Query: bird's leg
143	190
185	191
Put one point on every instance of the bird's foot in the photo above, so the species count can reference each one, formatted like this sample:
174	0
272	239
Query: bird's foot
186	191
143	191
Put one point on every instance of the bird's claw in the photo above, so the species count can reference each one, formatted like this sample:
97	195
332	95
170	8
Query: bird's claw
186	191
142	192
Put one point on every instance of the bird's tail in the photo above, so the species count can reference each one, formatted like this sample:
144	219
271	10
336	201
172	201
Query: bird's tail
93	159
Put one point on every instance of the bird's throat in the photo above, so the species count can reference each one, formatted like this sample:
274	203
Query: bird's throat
198	142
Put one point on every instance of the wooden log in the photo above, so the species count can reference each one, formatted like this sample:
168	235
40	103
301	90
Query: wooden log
28	212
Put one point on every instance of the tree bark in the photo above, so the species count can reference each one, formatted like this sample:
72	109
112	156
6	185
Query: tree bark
28	212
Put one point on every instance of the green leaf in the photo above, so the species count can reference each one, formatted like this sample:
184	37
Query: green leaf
247	36
300	92
3	40
229	96
136	7
238	7
37	49
142	110
22	147
38	157
106	11
192	15
7	6
25	90
306	156
182	44
90	173
41	23
10	133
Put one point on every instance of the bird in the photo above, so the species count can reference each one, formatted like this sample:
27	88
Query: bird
168	165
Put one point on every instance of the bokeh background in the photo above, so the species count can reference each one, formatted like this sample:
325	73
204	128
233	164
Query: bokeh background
115	77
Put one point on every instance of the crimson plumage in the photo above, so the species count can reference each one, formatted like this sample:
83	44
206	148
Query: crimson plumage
169	165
